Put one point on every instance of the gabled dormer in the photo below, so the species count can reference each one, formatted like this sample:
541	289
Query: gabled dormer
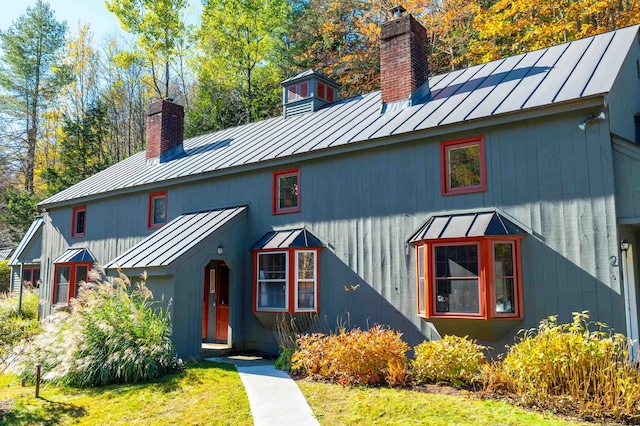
307	92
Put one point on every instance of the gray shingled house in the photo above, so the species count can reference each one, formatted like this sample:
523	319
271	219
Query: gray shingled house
476	202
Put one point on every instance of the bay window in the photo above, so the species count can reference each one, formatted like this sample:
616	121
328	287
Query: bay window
471	278
67	279
468	266
286	281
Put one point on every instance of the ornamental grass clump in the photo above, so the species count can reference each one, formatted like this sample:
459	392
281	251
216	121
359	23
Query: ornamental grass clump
452	360
112	334
353	357
577	367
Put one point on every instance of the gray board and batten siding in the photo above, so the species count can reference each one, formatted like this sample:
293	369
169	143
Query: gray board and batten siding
366	206
369	181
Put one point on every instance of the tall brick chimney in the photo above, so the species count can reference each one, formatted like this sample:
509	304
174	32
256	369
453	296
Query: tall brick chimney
165	131
403	57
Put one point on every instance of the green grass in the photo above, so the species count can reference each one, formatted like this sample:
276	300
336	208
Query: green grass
337	405
204	394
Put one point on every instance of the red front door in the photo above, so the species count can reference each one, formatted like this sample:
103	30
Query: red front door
222	302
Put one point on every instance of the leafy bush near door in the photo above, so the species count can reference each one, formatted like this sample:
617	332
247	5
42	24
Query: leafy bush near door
112	334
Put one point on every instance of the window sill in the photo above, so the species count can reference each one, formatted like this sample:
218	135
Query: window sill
465	190
287	211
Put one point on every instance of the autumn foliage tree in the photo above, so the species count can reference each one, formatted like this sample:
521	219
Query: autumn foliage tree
511	27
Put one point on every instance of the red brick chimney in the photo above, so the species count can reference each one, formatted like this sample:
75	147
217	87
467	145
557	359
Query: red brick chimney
403	57
165	130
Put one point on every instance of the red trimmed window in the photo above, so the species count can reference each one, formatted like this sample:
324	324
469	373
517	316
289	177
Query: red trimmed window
78	222
286	191
298	91
463	166
31	277
67	279
469	278
286	280
157	210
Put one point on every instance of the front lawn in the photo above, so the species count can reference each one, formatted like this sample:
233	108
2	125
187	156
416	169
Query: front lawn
334	404
205	393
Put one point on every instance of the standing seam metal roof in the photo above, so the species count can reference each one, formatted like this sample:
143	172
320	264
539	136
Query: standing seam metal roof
175	238
75	255
567	72
466	225
295	238
31	233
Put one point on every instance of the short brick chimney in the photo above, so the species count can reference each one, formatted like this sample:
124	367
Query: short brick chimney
403	57
165	131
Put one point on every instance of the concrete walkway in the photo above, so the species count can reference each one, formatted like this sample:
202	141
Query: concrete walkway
274	397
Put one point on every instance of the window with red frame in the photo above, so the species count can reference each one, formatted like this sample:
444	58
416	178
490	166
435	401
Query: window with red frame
469	278
463	166
67	279
78	222
286	280
298	91
157	210
286	191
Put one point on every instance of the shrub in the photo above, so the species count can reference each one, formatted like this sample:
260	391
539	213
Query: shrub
111	335
452	359
16	328
284	359
352	357
288	328
581	366
5	276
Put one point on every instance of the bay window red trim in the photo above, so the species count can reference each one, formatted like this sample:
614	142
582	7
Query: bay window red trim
486	278
445	147
71	289
74	221
291	279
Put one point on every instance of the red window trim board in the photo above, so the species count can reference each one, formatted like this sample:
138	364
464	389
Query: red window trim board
274	188
444	166
291	280
74	213
486	277
72	280
150	199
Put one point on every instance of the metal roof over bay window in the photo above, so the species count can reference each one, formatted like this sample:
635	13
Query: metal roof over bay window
295	238
466	225
73	255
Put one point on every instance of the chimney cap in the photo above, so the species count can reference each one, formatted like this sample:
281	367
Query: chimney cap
398	10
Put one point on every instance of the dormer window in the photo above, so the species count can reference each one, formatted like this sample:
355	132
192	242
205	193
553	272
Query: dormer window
298	91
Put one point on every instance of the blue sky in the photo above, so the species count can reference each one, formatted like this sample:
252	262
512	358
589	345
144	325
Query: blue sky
91	11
